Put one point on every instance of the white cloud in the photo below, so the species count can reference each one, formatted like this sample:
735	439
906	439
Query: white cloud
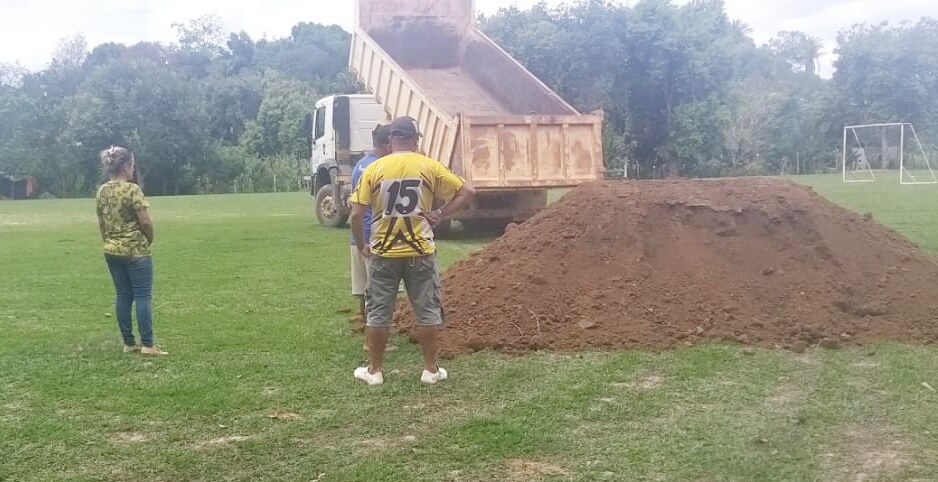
30	30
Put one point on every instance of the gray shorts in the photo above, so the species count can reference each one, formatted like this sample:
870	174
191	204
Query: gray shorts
421	277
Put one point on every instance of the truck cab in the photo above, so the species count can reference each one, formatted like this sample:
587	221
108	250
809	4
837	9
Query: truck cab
341	127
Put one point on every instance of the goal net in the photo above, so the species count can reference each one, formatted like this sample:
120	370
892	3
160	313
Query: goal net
882	151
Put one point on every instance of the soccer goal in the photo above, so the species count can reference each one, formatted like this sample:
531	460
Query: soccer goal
874	151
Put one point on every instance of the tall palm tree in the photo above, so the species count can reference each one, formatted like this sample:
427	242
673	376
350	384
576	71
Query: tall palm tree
801	51
741	28
811	54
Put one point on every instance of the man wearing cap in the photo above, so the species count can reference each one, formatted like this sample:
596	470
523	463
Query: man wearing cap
381	147
401	189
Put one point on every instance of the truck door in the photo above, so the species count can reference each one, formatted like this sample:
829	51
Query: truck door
323	134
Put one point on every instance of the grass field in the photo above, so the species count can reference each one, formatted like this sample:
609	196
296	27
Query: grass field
247	296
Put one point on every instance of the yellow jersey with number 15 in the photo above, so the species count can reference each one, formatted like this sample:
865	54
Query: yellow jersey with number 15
400	188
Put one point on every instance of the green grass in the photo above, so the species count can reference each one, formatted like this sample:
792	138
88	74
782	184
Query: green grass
909	209
248	291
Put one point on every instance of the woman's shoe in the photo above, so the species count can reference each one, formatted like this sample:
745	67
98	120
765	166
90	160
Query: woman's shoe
153	351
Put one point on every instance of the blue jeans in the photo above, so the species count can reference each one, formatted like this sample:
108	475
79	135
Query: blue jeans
133	282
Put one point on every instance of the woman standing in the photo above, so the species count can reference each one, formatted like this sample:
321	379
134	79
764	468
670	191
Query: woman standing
127	232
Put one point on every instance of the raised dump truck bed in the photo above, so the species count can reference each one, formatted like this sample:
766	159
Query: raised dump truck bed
456	91
481	112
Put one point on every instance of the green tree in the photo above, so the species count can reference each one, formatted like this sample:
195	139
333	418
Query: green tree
314	53
232	103
11	75
797	51
276	130
40	143
685	91
240	55
154	111
661	72
778	112
17	112
888	74
201	34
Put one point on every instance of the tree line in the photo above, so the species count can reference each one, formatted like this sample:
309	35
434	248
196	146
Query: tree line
685	89
688	92
205	114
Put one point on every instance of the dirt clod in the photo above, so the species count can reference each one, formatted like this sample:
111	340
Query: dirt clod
227	440
588	325
285	415
660	264
131	437
830	343
520	469
476	343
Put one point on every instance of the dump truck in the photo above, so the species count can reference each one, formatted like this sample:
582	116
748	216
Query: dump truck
481	113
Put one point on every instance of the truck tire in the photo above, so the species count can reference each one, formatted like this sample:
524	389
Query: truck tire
444	229
329	211
486	225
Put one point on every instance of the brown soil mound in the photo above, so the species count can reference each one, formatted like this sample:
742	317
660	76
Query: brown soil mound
657	264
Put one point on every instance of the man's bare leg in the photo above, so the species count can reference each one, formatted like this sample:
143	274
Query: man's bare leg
364	316
361	306
377	339
429	345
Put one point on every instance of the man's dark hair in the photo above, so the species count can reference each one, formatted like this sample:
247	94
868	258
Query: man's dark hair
381	136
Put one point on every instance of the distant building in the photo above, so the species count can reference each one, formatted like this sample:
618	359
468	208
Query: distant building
13	188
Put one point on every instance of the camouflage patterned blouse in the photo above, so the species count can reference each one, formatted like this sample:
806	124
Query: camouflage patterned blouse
118	202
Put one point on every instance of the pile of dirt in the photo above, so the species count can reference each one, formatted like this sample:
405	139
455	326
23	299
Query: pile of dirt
657	264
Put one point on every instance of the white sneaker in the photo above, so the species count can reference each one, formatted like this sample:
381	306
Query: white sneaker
362	374
431	378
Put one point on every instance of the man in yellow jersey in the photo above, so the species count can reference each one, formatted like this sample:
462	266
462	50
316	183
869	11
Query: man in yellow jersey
401	189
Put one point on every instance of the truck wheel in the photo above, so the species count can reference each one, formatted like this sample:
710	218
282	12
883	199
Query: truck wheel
444	229
486	225
329	210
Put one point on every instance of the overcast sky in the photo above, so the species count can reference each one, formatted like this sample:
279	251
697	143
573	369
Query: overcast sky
30	29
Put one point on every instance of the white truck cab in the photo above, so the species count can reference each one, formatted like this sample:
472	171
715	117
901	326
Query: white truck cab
341	127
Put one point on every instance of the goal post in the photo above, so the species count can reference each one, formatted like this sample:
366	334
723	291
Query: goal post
872	149
919	170
859	167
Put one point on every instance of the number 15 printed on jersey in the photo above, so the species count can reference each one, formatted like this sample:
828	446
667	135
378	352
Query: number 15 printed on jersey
402	197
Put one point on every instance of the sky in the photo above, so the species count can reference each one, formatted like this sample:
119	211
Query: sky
31	29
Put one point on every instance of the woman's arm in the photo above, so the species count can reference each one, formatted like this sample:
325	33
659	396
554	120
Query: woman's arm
101	227
146	224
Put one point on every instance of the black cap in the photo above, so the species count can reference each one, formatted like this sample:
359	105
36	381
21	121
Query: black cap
404	128
381	135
